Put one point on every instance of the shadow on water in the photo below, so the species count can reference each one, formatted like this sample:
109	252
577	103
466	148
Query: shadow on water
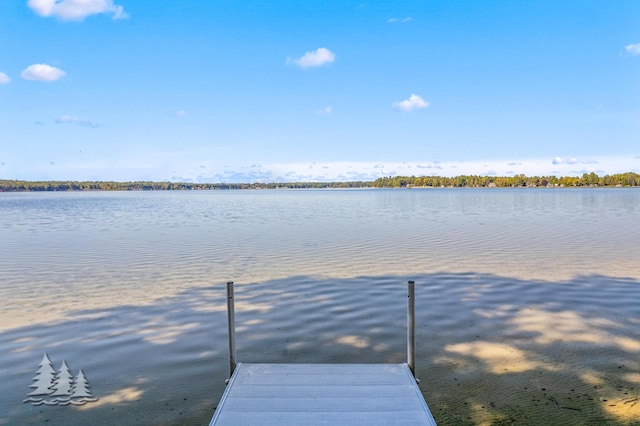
490	349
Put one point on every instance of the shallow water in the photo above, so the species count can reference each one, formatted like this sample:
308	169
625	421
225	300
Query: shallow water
527	298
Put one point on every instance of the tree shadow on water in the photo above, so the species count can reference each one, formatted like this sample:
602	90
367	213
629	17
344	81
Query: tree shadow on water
525	352
490	349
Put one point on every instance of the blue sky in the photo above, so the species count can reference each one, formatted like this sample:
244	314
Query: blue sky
250	91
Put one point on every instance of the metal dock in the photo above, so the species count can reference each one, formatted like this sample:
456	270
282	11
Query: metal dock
323	394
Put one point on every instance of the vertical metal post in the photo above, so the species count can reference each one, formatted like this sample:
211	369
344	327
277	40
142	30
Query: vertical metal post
232	328
411	328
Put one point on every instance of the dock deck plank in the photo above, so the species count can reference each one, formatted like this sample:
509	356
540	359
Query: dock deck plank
319	394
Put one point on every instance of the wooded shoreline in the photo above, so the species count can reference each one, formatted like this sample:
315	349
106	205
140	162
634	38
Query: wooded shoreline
462	181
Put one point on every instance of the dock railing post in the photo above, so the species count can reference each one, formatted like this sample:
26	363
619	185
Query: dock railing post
232	328
411	328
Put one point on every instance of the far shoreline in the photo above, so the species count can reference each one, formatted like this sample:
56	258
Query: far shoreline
591	180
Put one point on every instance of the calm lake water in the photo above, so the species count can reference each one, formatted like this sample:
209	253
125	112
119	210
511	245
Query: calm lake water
129	286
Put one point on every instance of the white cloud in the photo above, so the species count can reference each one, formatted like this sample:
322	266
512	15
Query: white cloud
326	110
76	10
633	49
179	113
560	160
317	58
413	102
399	20
42	72
4	79
435	165
186	166
69	119
341	170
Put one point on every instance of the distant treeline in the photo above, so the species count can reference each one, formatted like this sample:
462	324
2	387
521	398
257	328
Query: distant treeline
471	181
26	186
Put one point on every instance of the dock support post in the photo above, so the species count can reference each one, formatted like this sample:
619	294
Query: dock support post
411	328
232	328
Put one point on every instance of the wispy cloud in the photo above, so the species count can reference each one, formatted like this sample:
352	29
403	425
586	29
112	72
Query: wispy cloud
560	160
633	49
69	119
399	20
4	79
179	113
325	111
434	165
319	57
42	72
76	10
185	167
414	102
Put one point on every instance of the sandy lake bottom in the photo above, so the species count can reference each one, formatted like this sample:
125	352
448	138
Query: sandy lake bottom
490	349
